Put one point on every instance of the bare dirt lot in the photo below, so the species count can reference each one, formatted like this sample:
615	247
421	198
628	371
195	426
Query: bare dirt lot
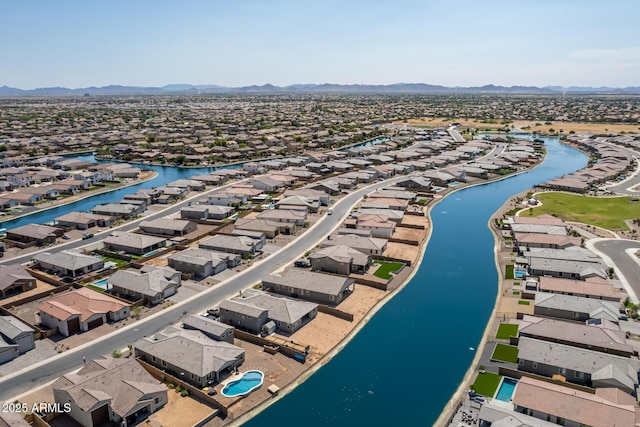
402	251
180	411
40	287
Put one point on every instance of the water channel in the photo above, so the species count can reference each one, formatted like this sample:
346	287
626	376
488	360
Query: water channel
404	365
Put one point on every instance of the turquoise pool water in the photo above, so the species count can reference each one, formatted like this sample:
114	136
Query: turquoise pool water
101	283
506	389
519	274
250	381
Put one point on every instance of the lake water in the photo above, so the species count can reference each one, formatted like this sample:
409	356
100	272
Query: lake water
406	363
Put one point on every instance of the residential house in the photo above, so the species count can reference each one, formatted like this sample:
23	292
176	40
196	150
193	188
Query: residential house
14	279
204	212
131	243
380	226
266	183
365	244
34	234
311	194
168	227
151	284
241	245
213	329
201	262
270	228
110	391
190	355
258	307
16	338
340	259
257	235
568	269
67	263
591	288
287	216
310	286
80	310
605	337
223	198
119	210
562	405
298	203
575	308
578	365
83	220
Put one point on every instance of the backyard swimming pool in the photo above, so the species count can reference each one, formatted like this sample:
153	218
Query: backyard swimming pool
519	274
506	389
101	283
250	381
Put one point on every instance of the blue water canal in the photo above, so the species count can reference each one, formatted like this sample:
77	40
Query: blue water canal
405	364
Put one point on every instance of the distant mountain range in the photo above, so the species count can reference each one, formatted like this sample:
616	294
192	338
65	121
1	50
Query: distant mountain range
327	88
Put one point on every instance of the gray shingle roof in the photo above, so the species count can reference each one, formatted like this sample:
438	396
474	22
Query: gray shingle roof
9	274
309	280
67	259
280	309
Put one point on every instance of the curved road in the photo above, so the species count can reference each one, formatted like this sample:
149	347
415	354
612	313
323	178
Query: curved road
625	265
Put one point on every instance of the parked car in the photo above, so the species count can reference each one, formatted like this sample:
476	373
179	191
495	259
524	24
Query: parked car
66	237
302	263
87	236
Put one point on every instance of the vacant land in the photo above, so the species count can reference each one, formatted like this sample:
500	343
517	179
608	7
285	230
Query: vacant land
486	384
505	353
609	213
506	331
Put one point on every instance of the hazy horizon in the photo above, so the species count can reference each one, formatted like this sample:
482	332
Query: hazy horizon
78	44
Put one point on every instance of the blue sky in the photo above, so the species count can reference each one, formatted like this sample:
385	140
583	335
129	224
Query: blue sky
243	42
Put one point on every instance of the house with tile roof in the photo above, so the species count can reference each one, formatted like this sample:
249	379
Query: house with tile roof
80	310
190	355
563	405
108	390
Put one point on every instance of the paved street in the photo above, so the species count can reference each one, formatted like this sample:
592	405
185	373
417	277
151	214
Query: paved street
625	265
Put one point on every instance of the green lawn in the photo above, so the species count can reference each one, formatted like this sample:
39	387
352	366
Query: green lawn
608	213
486	384
523	302
387	267
119	262
507	330
505	353
508	272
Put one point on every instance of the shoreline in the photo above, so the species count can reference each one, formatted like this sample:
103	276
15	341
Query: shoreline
153	175
253	412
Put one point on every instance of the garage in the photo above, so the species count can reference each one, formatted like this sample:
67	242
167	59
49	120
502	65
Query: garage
73	325
95	323
100	416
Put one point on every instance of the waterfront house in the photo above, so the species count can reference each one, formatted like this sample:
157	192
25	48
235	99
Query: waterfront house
595	287
253	308
571	307
108	390
417	183
213	329
190	355
310	286
67	263
118	210
201	262
568	269
539	240
80	310
14	279
577	365
365	244
605	337
379	225
557	404
340	259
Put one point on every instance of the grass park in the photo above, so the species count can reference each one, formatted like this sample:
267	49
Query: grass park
486	384
605	212
505	353
386	268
